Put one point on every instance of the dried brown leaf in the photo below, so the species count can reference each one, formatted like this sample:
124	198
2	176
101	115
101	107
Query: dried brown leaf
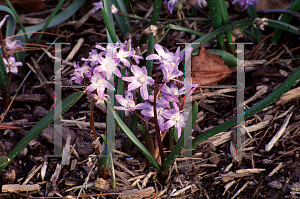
208	69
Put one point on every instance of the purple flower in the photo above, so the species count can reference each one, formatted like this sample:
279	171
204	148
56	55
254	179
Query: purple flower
12	65
160	101
140	79
201	3
123	54
245	2
150	113
171	5
10	45
78	75
172	93
166	58
175	118
109	64
99	83
128	103
94	58
97	5
3	20
100	100
170	75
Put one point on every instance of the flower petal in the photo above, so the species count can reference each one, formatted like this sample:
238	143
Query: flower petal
133	85
121	100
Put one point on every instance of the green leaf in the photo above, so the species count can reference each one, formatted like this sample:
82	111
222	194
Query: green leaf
214	7
239	24
286	18
4	84
11	21
228	58
104	158
4	160
280	90
39	127
122	22
133	138
147	139
50	19
109	27
181	142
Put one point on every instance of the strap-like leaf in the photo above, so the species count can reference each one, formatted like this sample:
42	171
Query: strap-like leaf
133	138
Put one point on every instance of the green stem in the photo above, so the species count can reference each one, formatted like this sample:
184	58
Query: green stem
92	124
216	19
252	13
156	11
225	20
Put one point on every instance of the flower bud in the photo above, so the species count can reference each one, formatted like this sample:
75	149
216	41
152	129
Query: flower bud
237	33
260	22
178	6
114	10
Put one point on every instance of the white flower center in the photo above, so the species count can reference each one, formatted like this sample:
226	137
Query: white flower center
175	92
121	54
100	81
142	79
94	57
108	65
130	105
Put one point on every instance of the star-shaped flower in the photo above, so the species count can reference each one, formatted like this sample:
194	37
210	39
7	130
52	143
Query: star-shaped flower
140	79
12	65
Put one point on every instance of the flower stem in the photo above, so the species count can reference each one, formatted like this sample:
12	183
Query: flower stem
156	121
143	119
92	124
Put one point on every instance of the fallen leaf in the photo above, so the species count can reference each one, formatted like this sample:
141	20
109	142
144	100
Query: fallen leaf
30	5
208	69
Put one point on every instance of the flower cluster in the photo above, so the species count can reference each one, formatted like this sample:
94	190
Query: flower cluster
171	4
10	62
100	67
245	2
